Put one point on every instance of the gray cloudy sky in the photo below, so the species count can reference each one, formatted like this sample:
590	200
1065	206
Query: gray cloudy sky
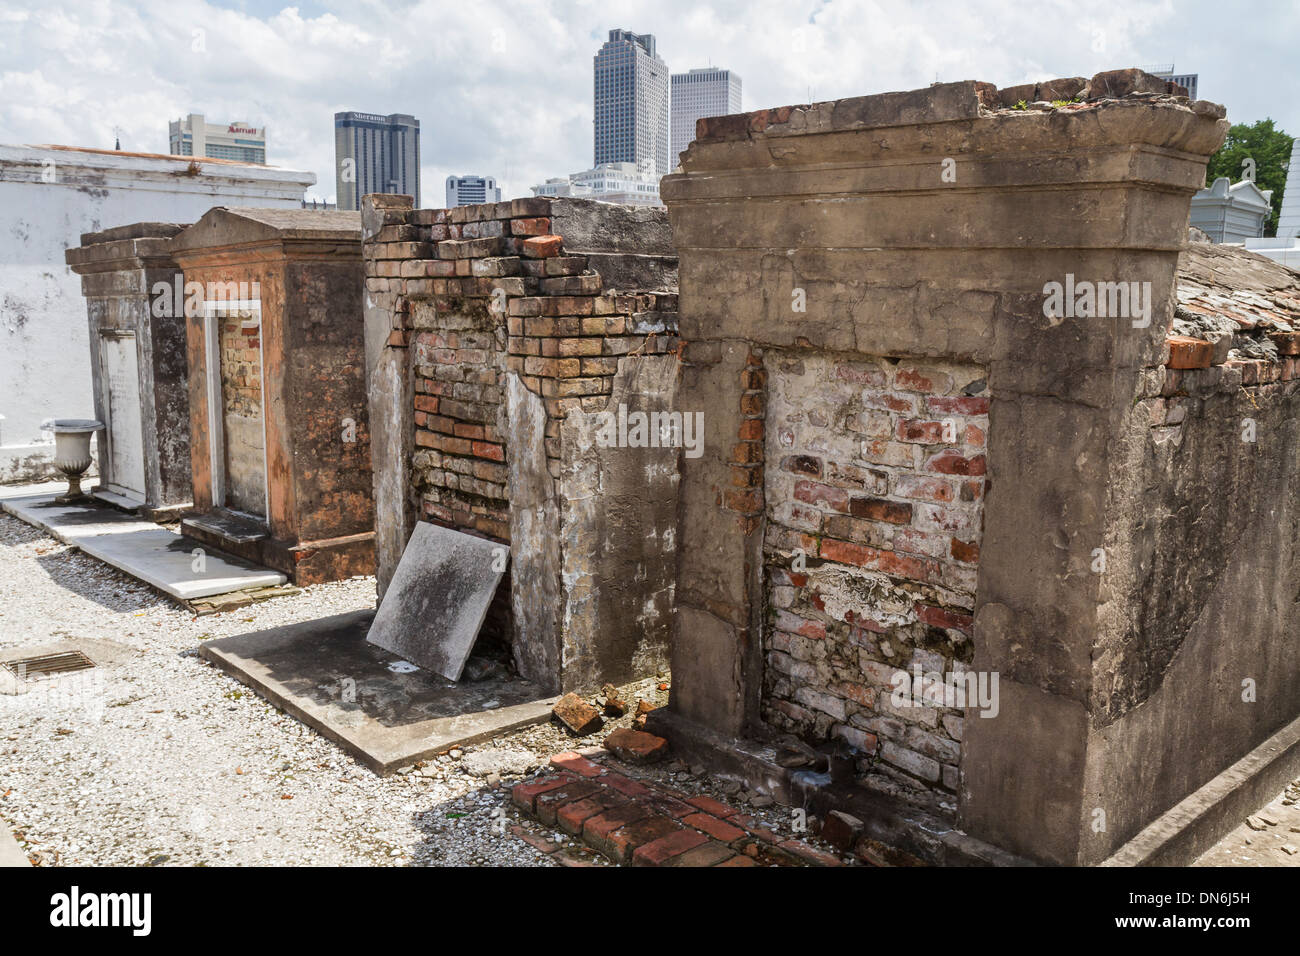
503	87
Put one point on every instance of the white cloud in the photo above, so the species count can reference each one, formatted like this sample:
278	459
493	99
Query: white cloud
503	87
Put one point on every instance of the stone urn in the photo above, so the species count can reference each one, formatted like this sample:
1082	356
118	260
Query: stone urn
72	452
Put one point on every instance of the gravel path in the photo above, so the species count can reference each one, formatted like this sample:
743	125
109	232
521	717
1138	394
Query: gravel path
154	757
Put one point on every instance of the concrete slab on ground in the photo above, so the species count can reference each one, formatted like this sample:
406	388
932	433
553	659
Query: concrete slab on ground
438	598
396	714
11	854
140	548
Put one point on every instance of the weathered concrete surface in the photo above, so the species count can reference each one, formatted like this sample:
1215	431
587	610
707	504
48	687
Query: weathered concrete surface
535	575
867	210
436	602
180	566
1189	828
629	247
619	533
389	389
326	674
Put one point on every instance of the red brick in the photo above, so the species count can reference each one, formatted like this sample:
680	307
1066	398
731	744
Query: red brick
738	860
802	465
577	764
715	807
488	450
912	379
805	852
1288	343
657	852
1187	352
943	405
965	552
669	804
540	226
929	489
710	853
870	375
879	509
549	803
598	830
920	431
620	844
572	816
814	492
951	462
543	247
636	746
718	829
525	795
942	617
753	827
625	785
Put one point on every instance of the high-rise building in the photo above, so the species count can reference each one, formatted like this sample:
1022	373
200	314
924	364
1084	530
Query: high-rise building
1166	72
376	154
471	190
697	94
632	98
239	140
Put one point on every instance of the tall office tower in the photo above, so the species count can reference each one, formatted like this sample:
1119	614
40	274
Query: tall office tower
471	190
1166	72
632	98
239	140
697	94
376	154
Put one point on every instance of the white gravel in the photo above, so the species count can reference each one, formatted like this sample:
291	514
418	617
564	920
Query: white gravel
155	757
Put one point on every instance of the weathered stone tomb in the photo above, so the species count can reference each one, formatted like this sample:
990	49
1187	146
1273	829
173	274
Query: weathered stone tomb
949	440
502	340
280	442
138	368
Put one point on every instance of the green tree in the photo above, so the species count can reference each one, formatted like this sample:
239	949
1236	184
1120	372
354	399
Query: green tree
1271	151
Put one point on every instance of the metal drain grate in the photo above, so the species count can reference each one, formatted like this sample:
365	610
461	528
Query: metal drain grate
47	665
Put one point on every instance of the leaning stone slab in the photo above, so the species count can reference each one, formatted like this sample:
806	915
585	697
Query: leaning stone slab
438	598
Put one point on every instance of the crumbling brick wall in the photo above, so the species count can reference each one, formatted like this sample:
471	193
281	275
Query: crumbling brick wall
510	337
874	471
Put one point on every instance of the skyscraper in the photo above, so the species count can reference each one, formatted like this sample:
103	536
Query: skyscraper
632	103
697	94
471	190
376	154
240	140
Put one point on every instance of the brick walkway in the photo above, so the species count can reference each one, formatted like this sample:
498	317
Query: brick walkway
644	824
